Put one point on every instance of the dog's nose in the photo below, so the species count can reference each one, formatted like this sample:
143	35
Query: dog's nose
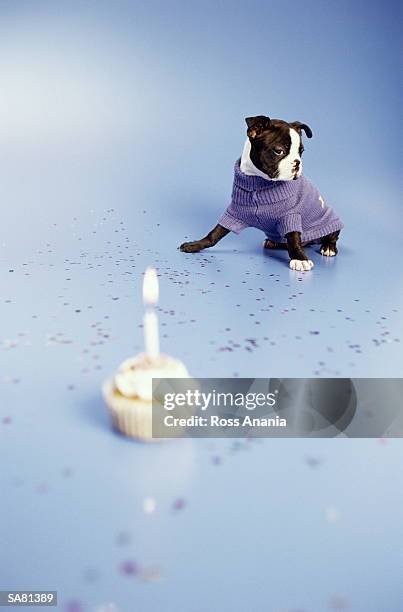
297	163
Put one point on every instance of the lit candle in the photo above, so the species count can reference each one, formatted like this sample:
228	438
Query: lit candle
129	392
150	320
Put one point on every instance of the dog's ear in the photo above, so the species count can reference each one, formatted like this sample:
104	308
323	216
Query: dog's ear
257	125
297	125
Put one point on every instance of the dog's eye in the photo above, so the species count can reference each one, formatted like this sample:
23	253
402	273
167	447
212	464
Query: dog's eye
278	151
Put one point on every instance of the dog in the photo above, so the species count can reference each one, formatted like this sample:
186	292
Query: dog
271	193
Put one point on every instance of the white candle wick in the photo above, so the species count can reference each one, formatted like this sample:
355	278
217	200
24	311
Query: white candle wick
151	335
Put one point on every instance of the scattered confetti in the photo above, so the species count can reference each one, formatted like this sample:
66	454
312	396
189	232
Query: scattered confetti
268	320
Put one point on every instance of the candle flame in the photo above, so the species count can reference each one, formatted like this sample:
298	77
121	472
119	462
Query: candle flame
150	286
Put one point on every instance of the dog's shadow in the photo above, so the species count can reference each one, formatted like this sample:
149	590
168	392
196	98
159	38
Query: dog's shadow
282	258
280	255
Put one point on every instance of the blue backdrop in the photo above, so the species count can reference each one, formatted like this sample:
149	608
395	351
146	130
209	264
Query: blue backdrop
120	125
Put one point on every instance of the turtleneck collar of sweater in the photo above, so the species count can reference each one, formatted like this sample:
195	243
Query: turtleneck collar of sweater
275	191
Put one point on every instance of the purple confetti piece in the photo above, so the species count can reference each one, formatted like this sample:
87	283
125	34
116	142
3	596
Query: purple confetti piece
179	504
73	606
128	568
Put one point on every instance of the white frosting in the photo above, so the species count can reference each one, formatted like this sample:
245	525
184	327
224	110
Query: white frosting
134	376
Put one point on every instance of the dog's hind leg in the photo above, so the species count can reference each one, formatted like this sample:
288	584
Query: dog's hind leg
270	244
328	244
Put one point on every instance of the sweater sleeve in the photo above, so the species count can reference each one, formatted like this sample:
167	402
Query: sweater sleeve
231	223
289	223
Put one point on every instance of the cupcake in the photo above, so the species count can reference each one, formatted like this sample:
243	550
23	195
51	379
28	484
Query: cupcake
128	394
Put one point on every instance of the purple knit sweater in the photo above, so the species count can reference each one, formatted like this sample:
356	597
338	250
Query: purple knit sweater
278	207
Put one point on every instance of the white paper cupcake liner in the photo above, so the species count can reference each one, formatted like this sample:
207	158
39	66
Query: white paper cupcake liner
130	416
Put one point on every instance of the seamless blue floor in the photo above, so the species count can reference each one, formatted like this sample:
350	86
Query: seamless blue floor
264	526
122	129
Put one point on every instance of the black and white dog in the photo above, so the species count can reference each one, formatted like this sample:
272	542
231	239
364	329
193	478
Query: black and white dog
271	194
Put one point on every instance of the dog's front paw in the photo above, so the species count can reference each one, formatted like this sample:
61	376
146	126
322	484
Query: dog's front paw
191	247
328	250
302	265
